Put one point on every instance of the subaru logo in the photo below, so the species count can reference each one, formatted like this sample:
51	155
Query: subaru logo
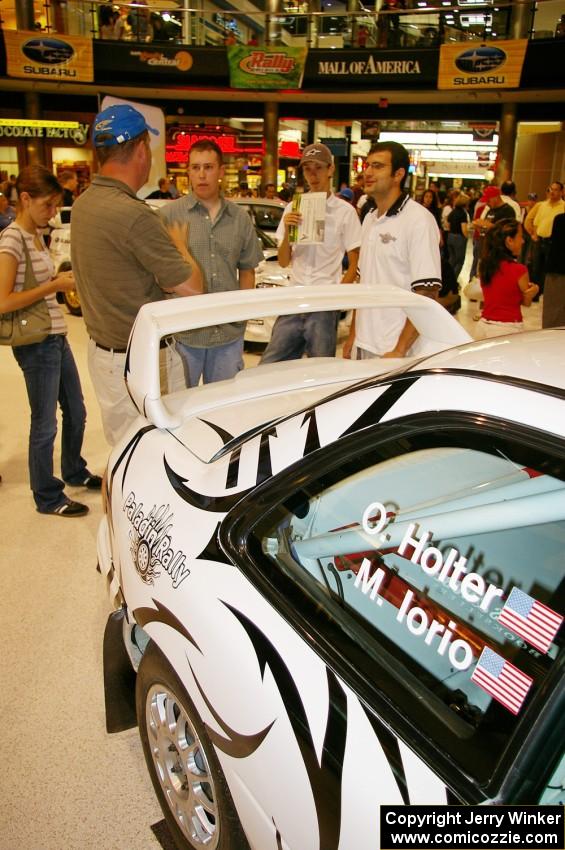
480	59
47	51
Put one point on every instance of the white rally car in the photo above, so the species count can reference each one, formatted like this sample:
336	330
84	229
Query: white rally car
341	583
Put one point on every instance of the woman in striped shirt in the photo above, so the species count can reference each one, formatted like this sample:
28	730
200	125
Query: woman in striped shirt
49	368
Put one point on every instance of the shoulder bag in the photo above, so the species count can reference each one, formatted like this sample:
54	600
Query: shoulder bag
30	324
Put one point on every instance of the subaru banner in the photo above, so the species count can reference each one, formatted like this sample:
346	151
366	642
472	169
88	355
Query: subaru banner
39	56
479	65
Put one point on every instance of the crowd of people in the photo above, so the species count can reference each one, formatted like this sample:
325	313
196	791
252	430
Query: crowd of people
203	242
471	215
135	22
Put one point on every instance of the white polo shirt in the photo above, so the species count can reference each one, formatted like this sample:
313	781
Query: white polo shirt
321	264
399	248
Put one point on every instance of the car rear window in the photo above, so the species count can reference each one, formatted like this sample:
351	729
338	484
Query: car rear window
266	217
448	559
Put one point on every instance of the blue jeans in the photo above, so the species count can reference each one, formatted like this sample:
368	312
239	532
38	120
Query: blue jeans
51	376
313	334
211	364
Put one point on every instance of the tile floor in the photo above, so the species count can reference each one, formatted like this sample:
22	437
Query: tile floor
66	784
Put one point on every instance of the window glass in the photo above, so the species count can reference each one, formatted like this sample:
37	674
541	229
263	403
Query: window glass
450	560
267	217
266	241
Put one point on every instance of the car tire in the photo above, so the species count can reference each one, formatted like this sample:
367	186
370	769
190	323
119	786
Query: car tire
71	298
73	302
181	760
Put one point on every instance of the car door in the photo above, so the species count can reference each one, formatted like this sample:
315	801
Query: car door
410	558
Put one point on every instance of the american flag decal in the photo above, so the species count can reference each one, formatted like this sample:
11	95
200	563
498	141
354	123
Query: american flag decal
528	618
508	685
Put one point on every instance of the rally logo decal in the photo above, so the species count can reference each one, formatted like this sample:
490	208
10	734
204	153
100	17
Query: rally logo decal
150	543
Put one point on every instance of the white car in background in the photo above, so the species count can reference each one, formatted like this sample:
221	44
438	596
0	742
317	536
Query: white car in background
265	213
268	275
324	573
60	251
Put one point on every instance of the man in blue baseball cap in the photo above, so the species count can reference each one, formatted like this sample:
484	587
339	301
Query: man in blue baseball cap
123	257
118	124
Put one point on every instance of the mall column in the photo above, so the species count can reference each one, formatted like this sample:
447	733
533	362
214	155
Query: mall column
506	143
35	147
272	22
353	8
519	28
25	15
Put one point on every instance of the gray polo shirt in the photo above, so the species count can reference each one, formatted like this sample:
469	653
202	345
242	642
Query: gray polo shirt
221	248
121	255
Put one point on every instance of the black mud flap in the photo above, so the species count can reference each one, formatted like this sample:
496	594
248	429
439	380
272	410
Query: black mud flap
161	832
119	678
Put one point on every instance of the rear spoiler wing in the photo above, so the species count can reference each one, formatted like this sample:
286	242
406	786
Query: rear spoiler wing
164	318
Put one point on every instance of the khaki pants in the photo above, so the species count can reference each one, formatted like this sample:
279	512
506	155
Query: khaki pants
107	375
487	329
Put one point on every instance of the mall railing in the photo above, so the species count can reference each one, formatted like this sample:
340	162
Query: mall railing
425	23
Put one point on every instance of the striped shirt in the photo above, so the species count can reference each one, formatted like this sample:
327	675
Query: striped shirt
42	264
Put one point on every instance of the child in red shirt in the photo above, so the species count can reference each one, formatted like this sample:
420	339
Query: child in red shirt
505	282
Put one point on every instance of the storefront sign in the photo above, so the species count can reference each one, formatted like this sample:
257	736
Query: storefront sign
266	68
496	65
361	67
31	55
26	128
290	150
170	64
483	132
177	60
403	68
228	143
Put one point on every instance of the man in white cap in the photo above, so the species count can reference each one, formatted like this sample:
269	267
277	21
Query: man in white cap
122	258
315	334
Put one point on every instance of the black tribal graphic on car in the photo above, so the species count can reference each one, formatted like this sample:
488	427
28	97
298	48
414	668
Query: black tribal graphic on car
327	794
223	503
234	743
